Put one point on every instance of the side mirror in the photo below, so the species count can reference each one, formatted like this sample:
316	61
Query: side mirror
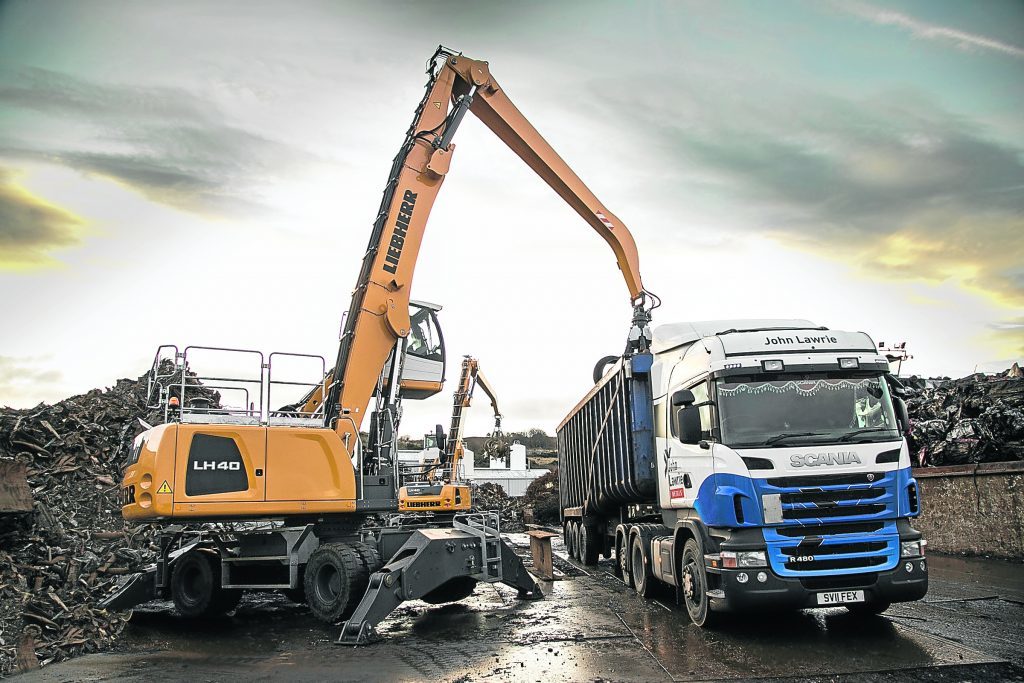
683	397
902	414
439	438
688	424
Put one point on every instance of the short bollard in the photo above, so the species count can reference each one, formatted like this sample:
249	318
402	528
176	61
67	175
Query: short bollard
540	548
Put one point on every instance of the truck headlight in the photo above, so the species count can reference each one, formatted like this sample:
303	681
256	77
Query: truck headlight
751	558
912	548
744	558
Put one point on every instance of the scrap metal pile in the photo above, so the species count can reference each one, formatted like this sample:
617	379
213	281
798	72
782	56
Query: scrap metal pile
541	497
974	419
492	497
59	563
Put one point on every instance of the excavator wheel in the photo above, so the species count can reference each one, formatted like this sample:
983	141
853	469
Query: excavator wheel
369	562
195	586
451	591
330	573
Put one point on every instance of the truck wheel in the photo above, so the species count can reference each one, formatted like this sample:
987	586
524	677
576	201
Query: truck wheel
620	563
567	536
695	586
640	569
195	585
330	573
866	609
590	549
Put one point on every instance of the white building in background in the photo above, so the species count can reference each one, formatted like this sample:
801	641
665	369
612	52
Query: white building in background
515	478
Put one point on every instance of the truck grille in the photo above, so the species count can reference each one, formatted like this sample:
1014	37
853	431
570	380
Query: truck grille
830	524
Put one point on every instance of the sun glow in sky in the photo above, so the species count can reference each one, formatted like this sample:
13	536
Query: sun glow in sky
206	173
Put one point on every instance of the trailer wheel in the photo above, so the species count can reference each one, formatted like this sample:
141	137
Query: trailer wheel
576	538
330	573
570	538
590	548
867	609
195	585
620	563
640	568
695	586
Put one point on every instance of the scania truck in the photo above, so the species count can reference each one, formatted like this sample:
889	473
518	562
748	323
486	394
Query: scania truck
749	464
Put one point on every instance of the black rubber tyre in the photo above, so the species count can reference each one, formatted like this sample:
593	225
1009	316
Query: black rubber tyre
567	536
867	609
695	586
590	545
619	563
601	365
195	585
576	539
369	562
640	567
328	581
450	591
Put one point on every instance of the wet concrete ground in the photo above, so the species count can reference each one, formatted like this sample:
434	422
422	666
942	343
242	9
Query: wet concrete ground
969	627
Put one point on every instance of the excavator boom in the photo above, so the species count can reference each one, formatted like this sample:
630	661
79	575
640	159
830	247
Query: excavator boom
379	313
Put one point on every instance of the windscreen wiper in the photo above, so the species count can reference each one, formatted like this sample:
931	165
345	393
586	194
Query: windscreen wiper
786	435
850	435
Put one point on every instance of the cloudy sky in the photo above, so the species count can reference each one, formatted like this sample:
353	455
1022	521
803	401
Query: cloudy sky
207	173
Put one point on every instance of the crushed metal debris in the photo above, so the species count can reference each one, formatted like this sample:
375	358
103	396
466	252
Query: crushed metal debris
974	419
58	562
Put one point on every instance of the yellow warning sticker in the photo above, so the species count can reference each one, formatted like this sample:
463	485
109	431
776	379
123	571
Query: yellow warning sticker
164	488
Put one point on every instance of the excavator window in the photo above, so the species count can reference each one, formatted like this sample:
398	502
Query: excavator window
424	337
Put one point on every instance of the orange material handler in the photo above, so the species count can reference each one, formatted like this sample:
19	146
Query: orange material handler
437	487
306	464
309	471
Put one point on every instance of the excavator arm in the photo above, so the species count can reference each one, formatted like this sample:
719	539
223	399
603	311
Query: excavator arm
378	317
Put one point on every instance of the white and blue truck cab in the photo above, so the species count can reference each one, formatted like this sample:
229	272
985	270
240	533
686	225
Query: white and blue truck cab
750	464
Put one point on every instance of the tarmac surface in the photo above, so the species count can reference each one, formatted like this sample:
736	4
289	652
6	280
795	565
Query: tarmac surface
970	627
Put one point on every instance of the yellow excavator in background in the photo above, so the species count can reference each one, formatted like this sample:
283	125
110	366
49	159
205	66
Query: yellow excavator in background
306	468
440	486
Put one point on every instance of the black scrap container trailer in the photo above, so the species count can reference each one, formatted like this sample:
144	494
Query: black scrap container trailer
606	454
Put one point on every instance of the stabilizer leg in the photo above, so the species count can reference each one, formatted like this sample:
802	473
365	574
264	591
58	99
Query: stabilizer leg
429	559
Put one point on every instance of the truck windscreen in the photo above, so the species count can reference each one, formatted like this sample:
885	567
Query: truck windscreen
807	410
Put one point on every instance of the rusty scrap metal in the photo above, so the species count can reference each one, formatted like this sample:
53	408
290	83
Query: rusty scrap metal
55	569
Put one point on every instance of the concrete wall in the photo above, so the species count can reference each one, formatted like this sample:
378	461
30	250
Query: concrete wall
973	509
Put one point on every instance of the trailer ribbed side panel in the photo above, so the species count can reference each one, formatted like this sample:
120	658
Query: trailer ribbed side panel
606	452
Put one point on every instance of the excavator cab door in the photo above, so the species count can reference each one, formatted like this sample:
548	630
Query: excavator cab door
423	371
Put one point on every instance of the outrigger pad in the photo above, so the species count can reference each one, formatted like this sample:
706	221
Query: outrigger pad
134	590
429	559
